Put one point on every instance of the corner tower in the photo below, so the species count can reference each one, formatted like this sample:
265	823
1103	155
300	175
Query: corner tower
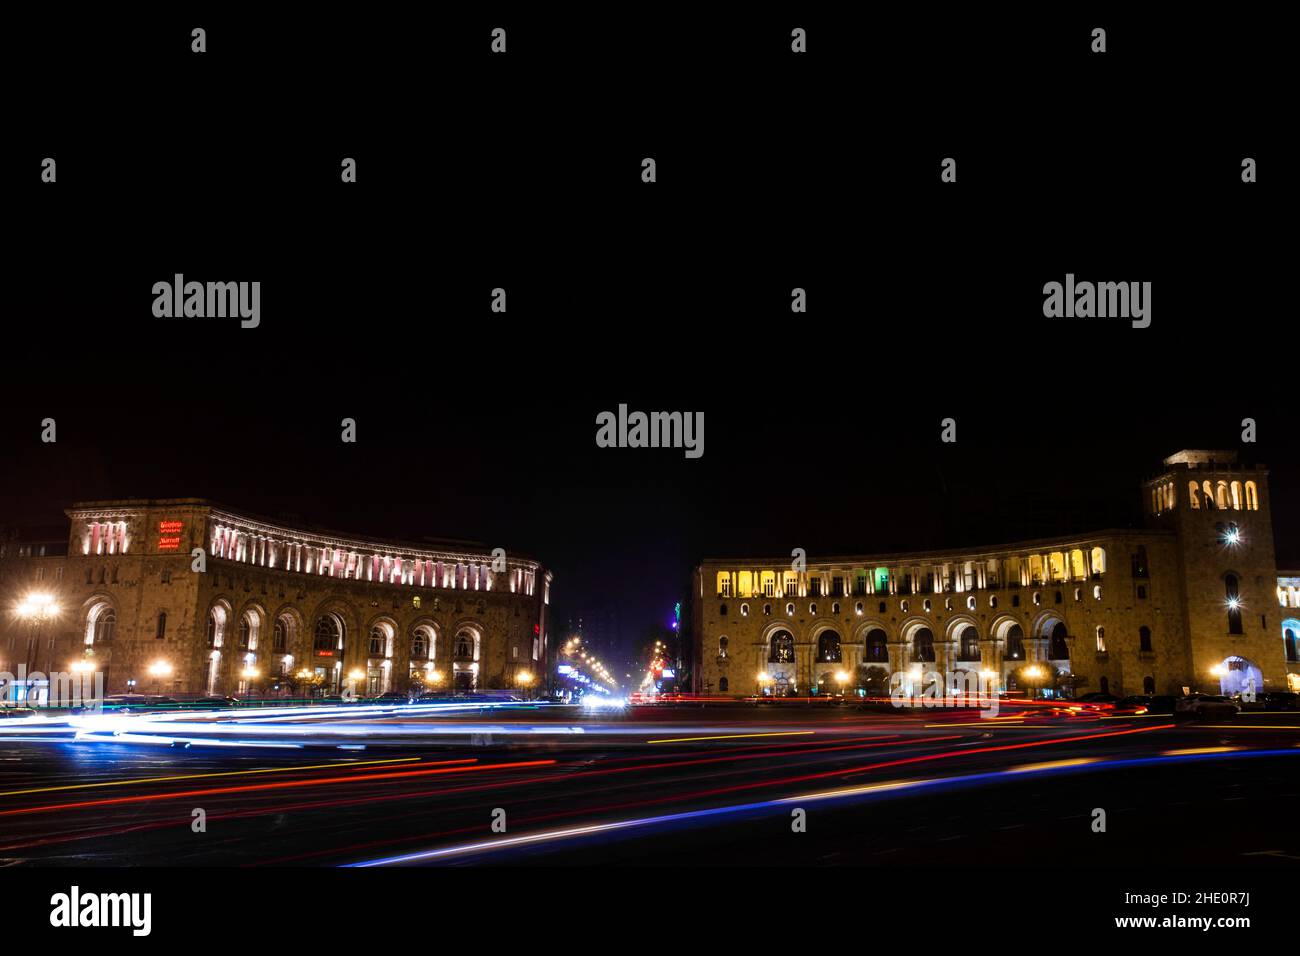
1227	567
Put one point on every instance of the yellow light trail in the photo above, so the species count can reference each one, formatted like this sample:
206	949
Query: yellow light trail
201	776
1198	750
986	722
1050	765
782	733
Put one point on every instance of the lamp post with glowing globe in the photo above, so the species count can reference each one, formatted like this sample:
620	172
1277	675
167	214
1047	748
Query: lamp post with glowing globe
37	608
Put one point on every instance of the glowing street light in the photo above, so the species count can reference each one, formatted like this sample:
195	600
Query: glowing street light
158	670
37	608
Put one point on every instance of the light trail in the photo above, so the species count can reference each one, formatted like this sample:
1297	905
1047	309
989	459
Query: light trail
683	740
869	790
342	765
439	768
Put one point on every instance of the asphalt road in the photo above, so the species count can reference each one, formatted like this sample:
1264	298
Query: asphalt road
695	785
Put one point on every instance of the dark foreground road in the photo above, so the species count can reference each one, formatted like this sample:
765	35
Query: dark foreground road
700	786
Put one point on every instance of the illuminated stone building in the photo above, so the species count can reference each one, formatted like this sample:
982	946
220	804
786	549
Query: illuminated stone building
183	597
1192	600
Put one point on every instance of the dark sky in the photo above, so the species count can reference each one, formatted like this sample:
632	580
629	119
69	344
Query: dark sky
822	428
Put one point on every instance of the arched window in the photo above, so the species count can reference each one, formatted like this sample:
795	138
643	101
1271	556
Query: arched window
1289	641
970	603
1101	640
722	647
280	635
1144	639
744	610
970	644
782	648
1058	648
464	647
789	610
329	636
722	610
1104	685
1194	495
722	684
161	631
835	608
828	648
1235	495
767	610
877	646
245	632
214	626
923	645
1148	685
1098	562
1015	642
105	626
421	643
1234	604
1252	497
993	601
812	608
378	641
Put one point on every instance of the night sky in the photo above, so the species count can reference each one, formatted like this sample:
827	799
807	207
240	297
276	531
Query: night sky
523	172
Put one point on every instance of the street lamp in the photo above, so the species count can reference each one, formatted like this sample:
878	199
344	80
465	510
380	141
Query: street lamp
841	678
1034	673
158	670
524	679
36	608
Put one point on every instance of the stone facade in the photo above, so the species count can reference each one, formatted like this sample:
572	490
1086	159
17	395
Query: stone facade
181	597
1192	600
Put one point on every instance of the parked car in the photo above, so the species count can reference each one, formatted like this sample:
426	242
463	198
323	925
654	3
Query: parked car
391	697
1205	706
1149	703
212	702
1281	700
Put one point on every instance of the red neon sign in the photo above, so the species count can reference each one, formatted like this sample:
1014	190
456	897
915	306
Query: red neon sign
169	535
